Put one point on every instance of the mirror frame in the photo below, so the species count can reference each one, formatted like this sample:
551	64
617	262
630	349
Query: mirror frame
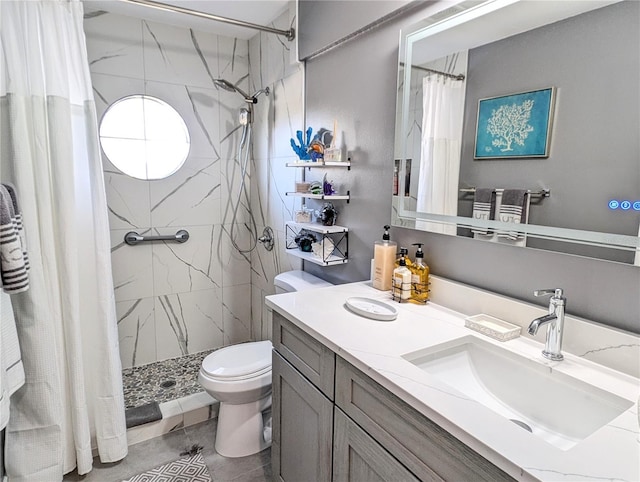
463	13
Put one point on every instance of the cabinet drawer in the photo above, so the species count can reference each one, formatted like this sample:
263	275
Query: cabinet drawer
310	357
426	449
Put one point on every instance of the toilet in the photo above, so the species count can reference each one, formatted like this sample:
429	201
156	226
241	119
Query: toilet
239	377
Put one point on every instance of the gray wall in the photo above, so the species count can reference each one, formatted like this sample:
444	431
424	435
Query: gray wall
593	60
356	84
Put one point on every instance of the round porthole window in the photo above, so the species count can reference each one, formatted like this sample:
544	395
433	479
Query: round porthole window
144	137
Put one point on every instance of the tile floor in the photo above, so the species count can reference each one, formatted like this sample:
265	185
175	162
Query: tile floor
161	450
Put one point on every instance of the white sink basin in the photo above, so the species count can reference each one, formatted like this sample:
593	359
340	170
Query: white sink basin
552	405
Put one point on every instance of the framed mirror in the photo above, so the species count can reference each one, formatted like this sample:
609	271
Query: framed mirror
470	80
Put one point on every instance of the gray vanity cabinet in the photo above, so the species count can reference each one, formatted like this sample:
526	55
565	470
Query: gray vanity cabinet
331	422
303	378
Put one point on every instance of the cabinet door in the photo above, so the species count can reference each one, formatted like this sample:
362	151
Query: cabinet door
359	458
302	427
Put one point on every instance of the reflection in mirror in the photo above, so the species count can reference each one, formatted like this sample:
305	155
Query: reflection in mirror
587	53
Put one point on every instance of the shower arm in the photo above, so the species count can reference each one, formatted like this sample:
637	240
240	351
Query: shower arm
289	34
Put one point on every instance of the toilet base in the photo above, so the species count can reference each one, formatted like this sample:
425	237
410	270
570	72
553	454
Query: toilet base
240	428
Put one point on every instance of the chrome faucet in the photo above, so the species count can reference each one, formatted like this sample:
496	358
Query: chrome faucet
555	320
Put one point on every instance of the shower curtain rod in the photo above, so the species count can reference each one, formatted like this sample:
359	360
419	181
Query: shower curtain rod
289	34
433	71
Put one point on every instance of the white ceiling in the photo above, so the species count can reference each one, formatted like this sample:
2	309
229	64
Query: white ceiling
261	12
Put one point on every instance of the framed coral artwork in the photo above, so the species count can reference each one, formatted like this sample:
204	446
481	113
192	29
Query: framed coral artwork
515	125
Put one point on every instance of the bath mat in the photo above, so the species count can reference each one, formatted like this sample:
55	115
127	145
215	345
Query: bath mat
144	414
188	469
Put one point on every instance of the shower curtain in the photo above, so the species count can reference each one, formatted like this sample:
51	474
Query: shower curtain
442	114
66	321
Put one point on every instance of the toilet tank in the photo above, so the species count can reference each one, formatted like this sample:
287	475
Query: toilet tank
297	280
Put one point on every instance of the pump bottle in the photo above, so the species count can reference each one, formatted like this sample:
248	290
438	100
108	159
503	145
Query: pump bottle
384	255
419	277
402	280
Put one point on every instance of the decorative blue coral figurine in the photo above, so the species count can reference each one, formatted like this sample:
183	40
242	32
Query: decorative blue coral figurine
302	150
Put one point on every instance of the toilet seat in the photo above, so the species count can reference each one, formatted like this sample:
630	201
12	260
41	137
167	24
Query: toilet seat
239	362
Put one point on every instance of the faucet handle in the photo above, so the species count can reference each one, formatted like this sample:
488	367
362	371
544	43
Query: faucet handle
556	292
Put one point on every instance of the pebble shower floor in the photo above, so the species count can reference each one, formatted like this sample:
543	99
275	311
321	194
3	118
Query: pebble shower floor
162	381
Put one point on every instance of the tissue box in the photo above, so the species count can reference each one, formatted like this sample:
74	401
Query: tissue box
492	327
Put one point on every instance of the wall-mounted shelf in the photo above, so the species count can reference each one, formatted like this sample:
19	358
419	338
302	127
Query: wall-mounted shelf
310	164
339	236
308	195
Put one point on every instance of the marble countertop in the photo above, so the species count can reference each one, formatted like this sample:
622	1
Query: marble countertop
376	348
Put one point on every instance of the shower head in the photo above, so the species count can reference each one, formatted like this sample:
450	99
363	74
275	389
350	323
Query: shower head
228	86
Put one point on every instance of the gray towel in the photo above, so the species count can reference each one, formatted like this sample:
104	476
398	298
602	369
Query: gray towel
144	414
484	206
513	210
13	270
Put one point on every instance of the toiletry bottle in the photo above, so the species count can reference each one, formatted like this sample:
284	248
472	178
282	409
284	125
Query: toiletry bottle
419	277
402	281
384	255
404	252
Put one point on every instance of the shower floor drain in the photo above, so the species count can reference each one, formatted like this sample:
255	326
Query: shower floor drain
168	384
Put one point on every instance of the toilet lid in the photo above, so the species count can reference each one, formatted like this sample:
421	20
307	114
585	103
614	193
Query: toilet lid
239	361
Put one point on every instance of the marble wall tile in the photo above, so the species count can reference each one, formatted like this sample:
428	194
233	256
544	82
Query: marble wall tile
136	330
190	196
127	200
188	322
199	109
236	310
272	56
233	62
236	265
114	45
109	88
131	266
179	55
190	266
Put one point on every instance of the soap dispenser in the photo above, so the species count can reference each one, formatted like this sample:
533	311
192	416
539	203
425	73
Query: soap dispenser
404	252
384	255
419	277
402	280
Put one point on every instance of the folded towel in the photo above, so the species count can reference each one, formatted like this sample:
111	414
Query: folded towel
17	221
513	210
484	205
143	414
13	271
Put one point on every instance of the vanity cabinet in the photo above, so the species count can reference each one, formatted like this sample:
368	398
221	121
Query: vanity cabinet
303	381
333	422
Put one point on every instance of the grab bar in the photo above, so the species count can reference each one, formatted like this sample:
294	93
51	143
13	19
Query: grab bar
132	238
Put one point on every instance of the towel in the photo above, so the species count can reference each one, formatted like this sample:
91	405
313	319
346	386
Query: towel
17	221
484	205
13	270
513	210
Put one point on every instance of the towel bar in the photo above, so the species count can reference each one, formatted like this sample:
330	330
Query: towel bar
132	238
541	193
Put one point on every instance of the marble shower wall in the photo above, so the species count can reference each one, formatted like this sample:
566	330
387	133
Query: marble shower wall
175	299
278	117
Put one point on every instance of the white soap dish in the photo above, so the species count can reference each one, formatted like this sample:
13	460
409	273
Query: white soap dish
372	309
492	327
